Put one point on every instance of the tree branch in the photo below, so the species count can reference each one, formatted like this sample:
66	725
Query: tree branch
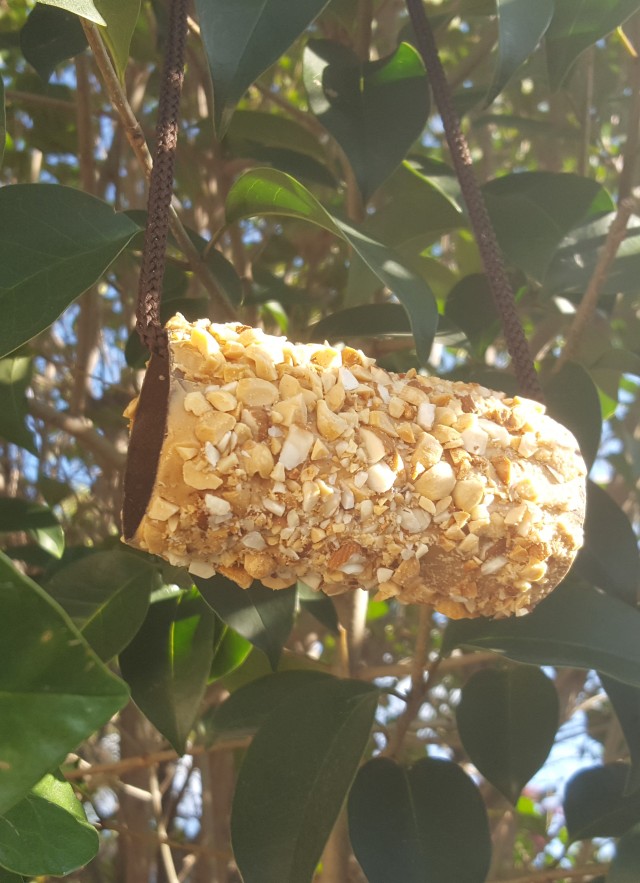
137	140
82	429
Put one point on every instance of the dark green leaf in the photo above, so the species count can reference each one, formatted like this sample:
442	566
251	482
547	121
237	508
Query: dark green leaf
319	606
532	212
625	867
36	520
242	41
407	824
230	651
609	557
168	662
268	192
412	209
55	242
49	37
577	626
573	400
375	110
578	24
574	262
367	320
54	691
262	616
471	307
594	805
106	594
15	377
9	877
626	704
507	720
521	25
47	833
273	131
247	708
295	777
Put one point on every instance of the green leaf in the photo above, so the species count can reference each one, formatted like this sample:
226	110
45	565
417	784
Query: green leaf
49	37
247	708
85	8
38	521
594	805
54	691
262	616
295	777
320	606
15	377
412	209
609	557
168	662
3	121
532	212
273	131
55	242
578	24
507	719
366	320
106	594
572	399
374	110
243	40
407	824
625	867
9	877
471	307
577	626
521	26
626	704
268	192
230	651
47	832
574	262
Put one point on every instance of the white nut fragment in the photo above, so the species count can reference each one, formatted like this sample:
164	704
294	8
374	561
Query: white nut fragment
196	403
426	415
372	444
217	506
197	477
274	506
493	565
347	379
202	569
221	400
415	520
437	482
380	478
296	447
475	441
254	540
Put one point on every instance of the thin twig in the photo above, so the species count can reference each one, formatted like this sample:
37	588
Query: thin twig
585	312
446	666
135	137
82	429
194	848
163	847
142	761
419	685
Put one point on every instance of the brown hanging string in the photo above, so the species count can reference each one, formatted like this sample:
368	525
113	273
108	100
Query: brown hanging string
148	324
480	222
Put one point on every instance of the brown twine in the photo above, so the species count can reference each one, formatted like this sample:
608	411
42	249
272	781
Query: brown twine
485	236
148	324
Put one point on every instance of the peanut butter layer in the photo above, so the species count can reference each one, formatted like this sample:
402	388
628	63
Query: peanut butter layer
288	461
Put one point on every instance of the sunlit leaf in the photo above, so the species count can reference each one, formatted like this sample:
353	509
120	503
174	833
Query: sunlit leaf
577	626
243	40
54	691
262	616
521	25
267	192
47	832
168	663
507	719
375	110
38	521
406	824
295	777
55	242
230	651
